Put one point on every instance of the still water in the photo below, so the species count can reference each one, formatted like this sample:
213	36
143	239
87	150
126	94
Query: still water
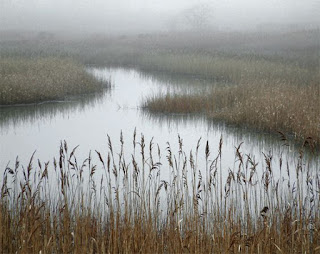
86	121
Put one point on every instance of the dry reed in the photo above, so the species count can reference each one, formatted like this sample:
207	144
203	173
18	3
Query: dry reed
124	204
30	80
287	108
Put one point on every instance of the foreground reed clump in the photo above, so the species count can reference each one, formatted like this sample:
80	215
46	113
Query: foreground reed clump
150	202
30	80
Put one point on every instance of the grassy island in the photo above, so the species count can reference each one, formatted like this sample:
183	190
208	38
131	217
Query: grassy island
32	80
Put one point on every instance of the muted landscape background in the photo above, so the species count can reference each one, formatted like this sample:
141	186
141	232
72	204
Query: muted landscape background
159	126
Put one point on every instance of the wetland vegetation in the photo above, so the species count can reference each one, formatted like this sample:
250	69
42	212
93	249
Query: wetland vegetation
33	80
272	80
152	199
131	202
283	107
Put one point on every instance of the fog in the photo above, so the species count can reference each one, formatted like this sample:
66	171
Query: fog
124	16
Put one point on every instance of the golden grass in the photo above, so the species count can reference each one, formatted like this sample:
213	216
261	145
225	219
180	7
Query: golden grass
286	108
281	107
124	205
28	80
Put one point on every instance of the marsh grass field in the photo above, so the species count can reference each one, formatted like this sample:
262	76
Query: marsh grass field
40	79
286	108
126	203
158	200
274	77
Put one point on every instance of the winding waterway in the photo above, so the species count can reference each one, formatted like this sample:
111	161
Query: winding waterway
86	121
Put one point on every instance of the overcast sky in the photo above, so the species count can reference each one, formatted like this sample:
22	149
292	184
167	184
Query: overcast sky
122	15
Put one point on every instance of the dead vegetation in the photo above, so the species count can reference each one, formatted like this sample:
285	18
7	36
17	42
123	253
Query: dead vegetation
156	201
282	107
32	80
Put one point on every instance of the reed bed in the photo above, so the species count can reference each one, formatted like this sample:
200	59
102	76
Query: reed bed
290	56
282	107
258	65
32	80
236	70
160	201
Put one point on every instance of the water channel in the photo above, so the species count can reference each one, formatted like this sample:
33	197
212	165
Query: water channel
86	121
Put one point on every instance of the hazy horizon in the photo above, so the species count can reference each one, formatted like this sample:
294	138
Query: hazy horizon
124	16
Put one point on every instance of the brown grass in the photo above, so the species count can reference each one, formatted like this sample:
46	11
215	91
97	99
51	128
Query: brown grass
126	206
29	80
237	70
275	75
280	107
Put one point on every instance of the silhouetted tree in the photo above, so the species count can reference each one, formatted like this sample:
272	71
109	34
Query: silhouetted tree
199	16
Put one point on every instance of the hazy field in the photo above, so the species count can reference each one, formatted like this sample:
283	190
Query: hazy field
272	79
124	204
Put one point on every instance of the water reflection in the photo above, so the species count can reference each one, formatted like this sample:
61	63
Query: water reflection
182	83
256	140
180	79
164	120
11	117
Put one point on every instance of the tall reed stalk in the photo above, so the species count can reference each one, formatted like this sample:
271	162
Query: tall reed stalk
155	201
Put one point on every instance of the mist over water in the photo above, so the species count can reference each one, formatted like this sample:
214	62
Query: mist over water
159	126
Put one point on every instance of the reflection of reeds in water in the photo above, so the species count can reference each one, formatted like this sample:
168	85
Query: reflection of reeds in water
15	115
259	140
163	119
181	81
125	204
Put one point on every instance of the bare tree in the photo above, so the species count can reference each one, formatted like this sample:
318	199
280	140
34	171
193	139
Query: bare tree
199	16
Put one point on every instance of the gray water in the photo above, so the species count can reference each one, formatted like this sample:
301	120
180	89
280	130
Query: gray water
86	121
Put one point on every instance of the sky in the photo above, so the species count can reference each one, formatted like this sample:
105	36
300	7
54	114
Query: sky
147	15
